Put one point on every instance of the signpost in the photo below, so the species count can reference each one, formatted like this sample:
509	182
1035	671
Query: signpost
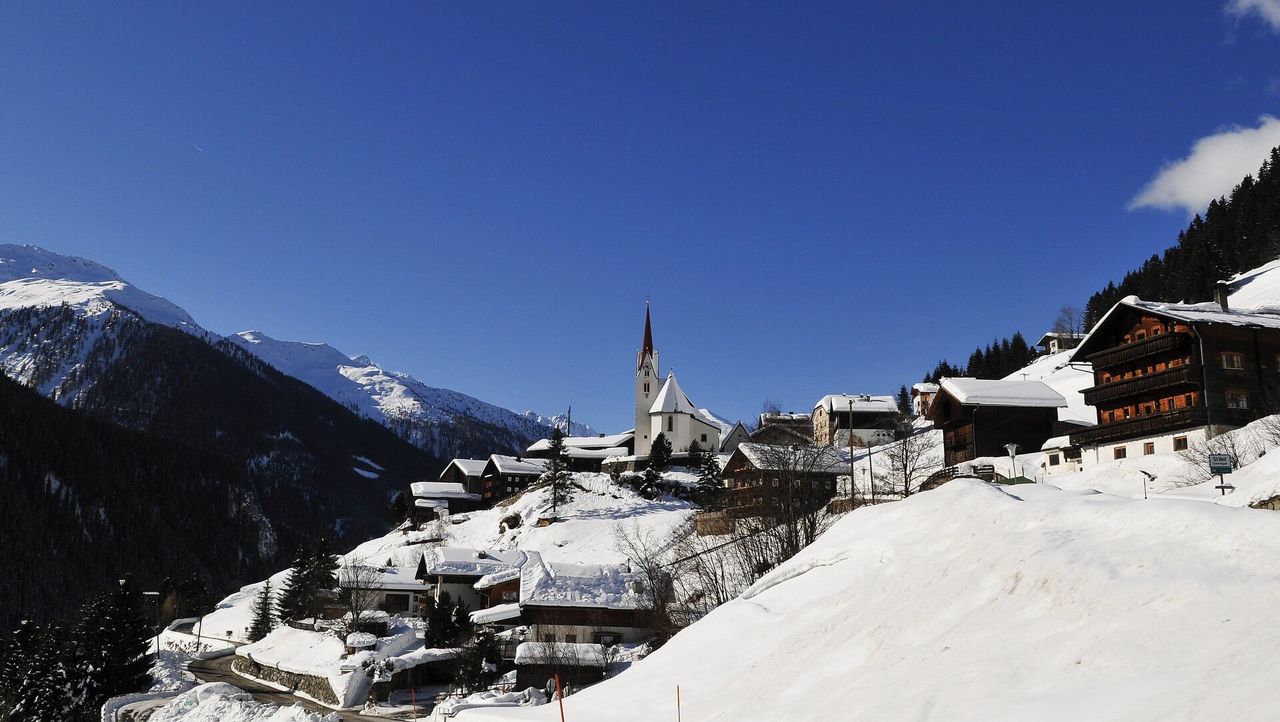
1221	464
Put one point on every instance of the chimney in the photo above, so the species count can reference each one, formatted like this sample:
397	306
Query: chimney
1220	294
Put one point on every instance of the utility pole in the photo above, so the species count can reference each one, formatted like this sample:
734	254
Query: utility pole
851	494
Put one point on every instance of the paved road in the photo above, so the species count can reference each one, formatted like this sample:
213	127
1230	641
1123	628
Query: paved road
219	670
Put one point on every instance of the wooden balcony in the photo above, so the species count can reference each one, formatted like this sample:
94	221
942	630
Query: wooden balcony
1142	385
1163	343
1142	426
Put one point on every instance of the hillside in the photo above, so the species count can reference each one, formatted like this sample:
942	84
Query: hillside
976	603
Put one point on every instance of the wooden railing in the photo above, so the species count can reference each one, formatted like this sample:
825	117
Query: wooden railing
1138	349
1140	385
1141	426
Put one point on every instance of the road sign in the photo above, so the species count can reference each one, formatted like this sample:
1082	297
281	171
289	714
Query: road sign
1219	464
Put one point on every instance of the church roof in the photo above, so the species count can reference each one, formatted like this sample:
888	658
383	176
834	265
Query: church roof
646	351
672	400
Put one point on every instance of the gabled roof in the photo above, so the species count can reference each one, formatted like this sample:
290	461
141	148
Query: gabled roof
469	467
1192	313
556	584
924	388
672	400
1002	392
461	561
799	437
803	458
587	442
862	403
1045	339
439	490
517	465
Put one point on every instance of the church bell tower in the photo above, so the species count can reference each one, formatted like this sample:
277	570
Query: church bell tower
647	384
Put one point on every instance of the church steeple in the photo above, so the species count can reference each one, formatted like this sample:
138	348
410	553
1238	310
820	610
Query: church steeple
646	351
646	386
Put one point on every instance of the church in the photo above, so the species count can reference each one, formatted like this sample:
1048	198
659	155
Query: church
665	409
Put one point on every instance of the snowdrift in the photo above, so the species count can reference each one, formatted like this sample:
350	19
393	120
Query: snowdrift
972	602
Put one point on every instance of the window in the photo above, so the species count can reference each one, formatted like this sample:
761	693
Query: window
646	387
704	438
511	596
1119	452
671	423
1149	448
1179	443
571	638
1237	400
607	639
1140	335
1054	460
395	603
1190	399
1232	361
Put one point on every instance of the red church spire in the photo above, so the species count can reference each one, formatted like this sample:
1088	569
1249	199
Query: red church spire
646	351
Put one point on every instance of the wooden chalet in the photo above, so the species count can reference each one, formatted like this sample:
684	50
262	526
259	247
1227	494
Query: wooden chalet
922	397
1165	374
466	472
764	477
435	499
587	453
783	428
456	570
507	475
870	420
1057	341
978	417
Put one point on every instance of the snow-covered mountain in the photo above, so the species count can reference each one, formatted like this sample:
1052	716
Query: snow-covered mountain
419	412
63	318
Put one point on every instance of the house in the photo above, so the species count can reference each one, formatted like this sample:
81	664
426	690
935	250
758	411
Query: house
978	417
1055	341
870	419
507	475
1166	375
581	603
394	590
665	408
783	427
736	435
466	472
759	475
431	498
1060	456
457	569
587	453
921	397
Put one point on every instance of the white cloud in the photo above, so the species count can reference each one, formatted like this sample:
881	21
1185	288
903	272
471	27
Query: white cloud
1268	10
1217	163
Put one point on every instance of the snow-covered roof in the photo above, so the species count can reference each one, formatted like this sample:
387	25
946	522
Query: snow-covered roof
925	388
671	399
386	578
586	442
517	465
439	490
557	584
469	467
492	580
361	639
499	613
1193	313
800	457
461	561
559	652
1051	335
1002	392
862	403
1057	442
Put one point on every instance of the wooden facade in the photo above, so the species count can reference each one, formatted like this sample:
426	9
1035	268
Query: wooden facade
456	474
971	431
1157	373
757	490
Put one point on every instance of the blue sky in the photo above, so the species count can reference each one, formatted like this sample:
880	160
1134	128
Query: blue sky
817	197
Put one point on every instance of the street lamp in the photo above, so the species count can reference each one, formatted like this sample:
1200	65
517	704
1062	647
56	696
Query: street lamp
1146	477
1013	450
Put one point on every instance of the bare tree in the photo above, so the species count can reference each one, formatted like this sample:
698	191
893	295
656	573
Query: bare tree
1237	445
357	582
1070	320
793	484
647	557
912	460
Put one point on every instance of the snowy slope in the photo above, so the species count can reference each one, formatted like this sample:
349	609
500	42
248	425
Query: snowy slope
973	603
1257	288
387	396
32	276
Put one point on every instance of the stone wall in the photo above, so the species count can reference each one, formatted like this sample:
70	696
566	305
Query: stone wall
315	687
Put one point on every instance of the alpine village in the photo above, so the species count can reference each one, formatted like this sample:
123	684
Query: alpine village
1078	521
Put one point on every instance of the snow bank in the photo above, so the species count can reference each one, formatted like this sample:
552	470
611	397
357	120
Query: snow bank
975	603
219	702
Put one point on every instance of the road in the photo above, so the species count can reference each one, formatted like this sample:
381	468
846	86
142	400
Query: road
219	670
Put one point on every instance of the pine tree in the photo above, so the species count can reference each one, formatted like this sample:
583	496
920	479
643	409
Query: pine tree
904	400
263	614
710	488
461	621
44	688
478	664
111	644
442	630
659	460
557	473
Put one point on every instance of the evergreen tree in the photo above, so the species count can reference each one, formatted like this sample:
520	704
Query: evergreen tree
478	664
557	473
263	614
461	621
401	508
442	630
659	460
43	688
710	488
312	577
904	400
111	643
